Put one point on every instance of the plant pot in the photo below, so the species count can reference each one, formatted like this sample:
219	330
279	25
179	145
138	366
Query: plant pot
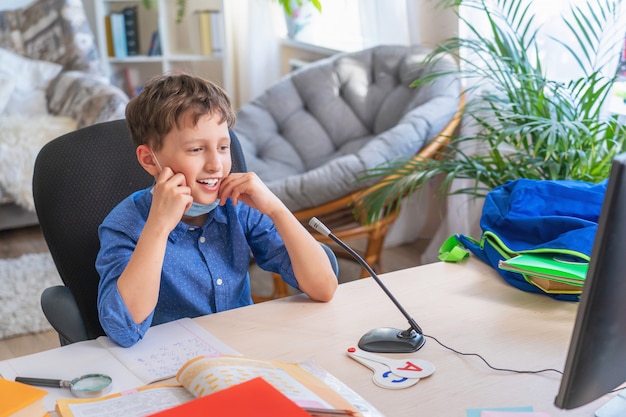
300	18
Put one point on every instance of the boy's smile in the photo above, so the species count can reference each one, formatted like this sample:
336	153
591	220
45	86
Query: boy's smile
201	153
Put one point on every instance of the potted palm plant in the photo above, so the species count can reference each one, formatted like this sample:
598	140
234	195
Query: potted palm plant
298	14
525	124
292	6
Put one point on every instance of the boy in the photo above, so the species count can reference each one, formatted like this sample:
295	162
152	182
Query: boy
182	247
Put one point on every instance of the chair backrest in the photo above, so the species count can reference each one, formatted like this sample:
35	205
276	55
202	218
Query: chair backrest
78	178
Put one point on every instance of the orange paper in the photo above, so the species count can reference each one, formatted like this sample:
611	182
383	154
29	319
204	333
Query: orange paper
18	399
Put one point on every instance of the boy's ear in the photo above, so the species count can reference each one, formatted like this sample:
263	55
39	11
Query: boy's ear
147	161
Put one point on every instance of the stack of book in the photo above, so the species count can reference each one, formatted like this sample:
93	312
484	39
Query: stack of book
553	273
211	32
122	32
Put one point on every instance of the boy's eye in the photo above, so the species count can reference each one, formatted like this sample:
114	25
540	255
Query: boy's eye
224	147
195	150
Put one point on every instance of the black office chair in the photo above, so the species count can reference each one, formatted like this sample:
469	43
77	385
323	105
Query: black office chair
78	178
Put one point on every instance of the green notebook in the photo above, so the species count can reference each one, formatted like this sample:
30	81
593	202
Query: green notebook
556	267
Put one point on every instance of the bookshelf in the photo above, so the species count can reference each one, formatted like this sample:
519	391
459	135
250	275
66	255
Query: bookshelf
184	46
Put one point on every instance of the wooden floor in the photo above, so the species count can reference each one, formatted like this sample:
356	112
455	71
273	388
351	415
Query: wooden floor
14	243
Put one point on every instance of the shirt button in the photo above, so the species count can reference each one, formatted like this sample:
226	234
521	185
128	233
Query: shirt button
202	239
191	229
219	281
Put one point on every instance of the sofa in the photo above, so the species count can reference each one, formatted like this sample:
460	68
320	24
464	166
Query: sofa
312	134
51	82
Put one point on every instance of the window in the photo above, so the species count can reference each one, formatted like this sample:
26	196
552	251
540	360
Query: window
350	25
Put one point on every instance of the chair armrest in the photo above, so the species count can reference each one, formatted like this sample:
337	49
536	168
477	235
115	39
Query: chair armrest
86	98
60	308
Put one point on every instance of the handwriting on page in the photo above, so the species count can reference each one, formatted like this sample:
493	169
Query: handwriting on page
165	348
165	361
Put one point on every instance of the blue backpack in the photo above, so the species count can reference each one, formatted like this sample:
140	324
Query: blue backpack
535	216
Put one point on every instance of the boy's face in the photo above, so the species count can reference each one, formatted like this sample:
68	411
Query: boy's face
201	153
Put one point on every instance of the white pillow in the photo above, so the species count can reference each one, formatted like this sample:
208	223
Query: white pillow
7	85
27	103
30	78
27	73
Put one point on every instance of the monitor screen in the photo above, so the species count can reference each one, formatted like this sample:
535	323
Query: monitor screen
596	360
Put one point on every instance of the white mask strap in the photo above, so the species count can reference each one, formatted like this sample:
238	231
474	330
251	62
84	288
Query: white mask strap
156	160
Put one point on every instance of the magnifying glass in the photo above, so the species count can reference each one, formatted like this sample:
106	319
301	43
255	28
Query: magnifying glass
86	386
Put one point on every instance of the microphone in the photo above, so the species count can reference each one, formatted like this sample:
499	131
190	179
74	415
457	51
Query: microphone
382	339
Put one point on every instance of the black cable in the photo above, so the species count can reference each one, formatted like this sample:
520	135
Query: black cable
489	365
505	369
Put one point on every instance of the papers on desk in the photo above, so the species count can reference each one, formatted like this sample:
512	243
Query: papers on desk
205	376
550	272
505	412
158	356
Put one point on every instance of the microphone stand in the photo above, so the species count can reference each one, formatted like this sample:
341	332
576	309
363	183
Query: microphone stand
383	339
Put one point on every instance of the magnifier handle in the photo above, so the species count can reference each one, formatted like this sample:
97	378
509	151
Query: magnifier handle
43	382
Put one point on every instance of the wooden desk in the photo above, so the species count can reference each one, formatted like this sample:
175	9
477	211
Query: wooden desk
466	306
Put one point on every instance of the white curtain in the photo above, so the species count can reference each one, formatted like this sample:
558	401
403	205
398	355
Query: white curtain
256	27
254	50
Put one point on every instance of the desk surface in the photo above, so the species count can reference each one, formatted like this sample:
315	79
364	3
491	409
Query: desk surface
466	306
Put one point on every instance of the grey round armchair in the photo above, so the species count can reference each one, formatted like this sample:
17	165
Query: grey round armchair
311	135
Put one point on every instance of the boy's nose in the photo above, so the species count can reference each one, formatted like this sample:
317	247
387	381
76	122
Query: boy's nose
213	163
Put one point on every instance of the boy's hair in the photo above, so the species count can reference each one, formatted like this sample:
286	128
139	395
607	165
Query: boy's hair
163	101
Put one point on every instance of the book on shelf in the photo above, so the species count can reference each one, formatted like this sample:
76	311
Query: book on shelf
118	32
109	35
217	32
21	400
284	388
131	25
204	24
551	272
154	48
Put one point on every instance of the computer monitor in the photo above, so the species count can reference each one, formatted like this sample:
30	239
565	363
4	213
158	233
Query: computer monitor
596	360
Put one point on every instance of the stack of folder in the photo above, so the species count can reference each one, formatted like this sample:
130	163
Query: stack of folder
553	273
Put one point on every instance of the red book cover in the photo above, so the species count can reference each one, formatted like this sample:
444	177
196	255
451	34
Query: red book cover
255	397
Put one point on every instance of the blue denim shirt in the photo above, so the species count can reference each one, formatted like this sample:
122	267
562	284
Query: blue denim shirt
205	269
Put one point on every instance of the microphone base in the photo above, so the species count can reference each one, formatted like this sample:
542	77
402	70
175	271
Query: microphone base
391	340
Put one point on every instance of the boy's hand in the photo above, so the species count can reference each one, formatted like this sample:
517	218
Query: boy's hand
171	198
248	188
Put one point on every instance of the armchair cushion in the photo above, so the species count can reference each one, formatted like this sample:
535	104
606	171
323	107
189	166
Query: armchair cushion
312	134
